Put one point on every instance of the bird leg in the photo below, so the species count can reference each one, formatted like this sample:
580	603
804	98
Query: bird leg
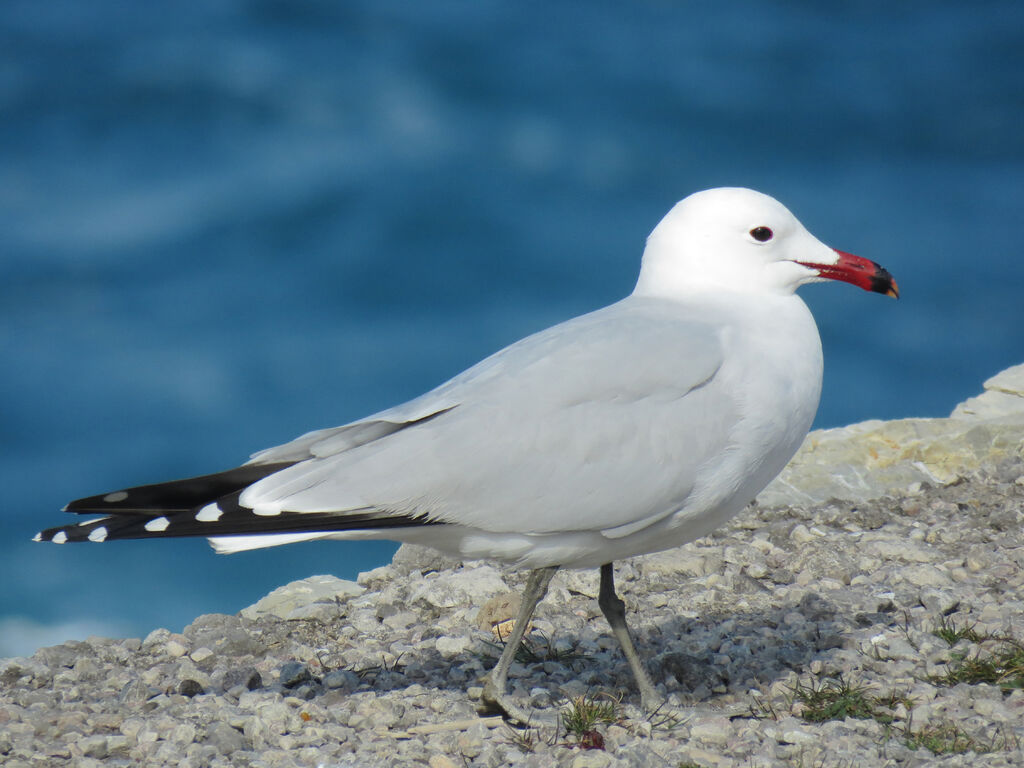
495	693
615	611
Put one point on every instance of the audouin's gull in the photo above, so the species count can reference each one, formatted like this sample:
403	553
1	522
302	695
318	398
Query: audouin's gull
632	429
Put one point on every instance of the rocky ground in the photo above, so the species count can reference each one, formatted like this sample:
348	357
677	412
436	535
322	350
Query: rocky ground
885	632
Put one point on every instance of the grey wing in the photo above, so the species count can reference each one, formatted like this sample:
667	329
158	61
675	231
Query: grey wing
327	442
601	423
322	443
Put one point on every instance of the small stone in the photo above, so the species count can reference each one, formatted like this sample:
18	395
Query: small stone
540	698
978	559
891	548
132	726
440	761
235	692
410	558
183	734
960	575
224	738
470	742
708	759
199	655
693	673
898	648
137	691
451	646
757	570
939	601
401	620
592	758
925	576
305	692
717	730
921	714
498	609
680	561
94	746
294	673
993	709
174	649
156	637
341	678
190	688
244	676
383	573
797	736
118	745
800	534
86	667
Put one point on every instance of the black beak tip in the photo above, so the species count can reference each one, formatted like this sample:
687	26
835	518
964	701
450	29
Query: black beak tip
882	282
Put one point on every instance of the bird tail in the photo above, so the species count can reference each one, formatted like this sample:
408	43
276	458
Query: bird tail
209	506
143	510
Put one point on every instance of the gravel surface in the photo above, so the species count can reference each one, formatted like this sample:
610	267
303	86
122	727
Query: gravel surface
781	603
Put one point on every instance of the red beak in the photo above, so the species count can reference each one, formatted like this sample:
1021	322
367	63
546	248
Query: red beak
857	271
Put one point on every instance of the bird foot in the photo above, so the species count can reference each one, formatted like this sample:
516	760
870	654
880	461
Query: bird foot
497	702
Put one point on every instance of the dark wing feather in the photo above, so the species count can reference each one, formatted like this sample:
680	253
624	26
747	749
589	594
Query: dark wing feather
165	510
239	522
176	495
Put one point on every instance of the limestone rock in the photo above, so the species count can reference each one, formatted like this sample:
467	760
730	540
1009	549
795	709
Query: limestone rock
499	609
1003	396
472	586
414	557
876	458
304	599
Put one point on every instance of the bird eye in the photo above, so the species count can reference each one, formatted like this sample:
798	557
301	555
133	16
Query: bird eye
761	234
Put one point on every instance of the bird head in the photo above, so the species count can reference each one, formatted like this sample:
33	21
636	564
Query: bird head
741	240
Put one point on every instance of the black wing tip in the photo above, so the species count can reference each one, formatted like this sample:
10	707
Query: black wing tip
208	505
224	518
96	531
174	496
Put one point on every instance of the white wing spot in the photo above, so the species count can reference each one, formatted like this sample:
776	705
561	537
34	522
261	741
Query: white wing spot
116	496
98	534
266	510
59	537
157	524
38	536
209	514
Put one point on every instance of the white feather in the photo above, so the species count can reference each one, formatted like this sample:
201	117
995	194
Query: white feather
226	545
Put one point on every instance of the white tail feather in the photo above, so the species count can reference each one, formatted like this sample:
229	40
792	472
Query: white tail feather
226	545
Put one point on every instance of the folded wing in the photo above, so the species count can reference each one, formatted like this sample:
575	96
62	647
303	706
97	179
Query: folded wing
578	428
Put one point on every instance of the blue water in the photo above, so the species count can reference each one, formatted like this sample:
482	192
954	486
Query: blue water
225	223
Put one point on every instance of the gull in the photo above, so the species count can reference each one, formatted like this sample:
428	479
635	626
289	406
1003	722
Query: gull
632	429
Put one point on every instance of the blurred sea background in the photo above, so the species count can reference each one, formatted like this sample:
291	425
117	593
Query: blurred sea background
224	223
